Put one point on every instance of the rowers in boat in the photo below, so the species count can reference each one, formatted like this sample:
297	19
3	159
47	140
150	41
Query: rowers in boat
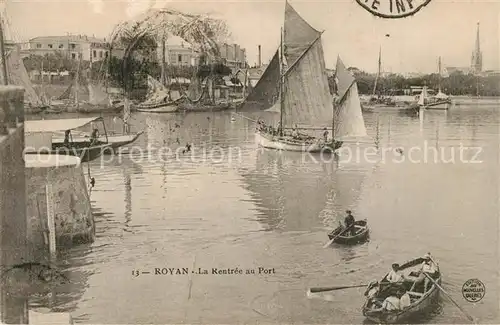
407	291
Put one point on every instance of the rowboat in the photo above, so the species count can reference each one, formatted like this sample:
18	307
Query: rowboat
421	302
159	108
361	234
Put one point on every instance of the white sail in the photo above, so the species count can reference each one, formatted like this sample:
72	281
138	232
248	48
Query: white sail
17	75
97	96
157	93
348	119
423	96
307	98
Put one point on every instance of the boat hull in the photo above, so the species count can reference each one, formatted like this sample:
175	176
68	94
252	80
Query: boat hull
199	107
163	108
443	106
114	141
415	311
288	144
84	153
361	236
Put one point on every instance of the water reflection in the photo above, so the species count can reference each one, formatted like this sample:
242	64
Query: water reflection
295	193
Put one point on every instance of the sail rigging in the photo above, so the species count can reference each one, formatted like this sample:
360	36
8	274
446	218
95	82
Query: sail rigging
378	71
157	93
440	94
17	75
265	92
348	117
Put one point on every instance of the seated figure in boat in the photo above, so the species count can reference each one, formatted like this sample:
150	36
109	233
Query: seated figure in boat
427	267
349	222
394	275
295	132
94	137
66	138
391	303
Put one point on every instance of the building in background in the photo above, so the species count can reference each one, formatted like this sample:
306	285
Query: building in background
233	55
73	46
178	52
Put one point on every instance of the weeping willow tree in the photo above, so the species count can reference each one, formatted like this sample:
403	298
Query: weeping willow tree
144	34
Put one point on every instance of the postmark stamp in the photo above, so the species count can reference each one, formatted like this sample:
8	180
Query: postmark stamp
393	9
473	290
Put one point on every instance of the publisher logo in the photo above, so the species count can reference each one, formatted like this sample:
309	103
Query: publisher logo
473	290
393	8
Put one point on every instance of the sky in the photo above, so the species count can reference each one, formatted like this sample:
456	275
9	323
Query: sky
443	28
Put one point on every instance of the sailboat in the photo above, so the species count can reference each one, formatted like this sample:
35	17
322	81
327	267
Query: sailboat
158	99
17	75
377	101
441	101
304	95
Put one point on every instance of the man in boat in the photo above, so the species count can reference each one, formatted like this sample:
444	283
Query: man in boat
394	276
325	134
66	138
393	302
349	222
295	133
427	267
94	137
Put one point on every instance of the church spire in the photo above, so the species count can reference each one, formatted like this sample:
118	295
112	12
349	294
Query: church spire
477	56
478	47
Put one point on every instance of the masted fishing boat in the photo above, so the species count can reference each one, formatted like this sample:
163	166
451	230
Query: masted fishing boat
158	99
98	99
303	98
17	75
421	300
39	139
378	101
440	101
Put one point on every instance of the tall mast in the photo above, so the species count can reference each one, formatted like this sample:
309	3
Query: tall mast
282	80
334	108
439	72
378	71
76	79
163	77
2	50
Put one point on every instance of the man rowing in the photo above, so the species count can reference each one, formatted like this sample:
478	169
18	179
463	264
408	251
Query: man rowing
349	222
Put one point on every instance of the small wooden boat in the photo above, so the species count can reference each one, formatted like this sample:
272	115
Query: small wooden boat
39	139
89	153
288	143
421	301
361	234
169	107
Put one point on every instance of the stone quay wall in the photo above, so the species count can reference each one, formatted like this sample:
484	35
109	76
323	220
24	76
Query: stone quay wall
12	199
74	222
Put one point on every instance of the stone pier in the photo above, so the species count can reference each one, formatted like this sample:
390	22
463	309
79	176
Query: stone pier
15	241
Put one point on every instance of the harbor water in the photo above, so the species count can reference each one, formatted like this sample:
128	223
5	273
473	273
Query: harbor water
233	205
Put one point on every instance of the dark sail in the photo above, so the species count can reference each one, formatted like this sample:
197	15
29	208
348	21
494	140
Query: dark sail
265	93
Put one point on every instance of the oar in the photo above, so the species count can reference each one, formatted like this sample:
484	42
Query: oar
322	289
469	317
341	232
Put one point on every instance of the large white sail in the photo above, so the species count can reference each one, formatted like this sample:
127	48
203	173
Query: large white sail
423	96
97	96
348	118
17	75
307	98
157	93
